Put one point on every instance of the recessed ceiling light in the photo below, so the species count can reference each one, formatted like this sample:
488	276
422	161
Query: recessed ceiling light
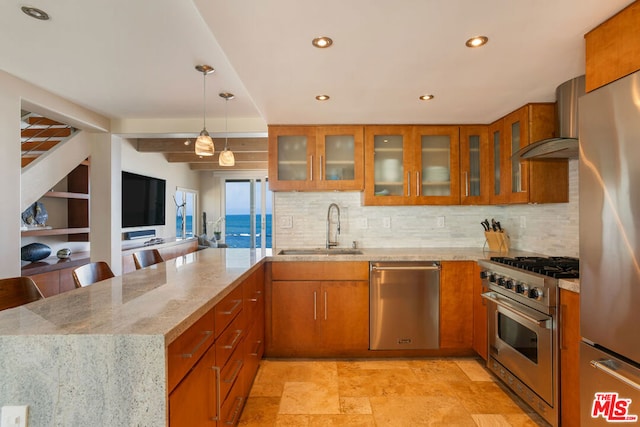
477	41
322	97
426	97
35	13
322	42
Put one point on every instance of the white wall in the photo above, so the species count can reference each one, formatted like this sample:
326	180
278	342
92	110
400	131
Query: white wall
551	229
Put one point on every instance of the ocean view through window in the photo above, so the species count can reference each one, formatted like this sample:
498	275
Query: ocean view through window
245	225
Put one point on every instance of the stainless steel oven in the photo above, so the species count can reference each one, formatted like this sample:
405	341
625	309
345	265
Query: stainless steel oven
522	326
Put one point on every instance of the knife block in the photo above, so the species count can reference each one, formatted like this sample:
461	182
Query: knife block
497	241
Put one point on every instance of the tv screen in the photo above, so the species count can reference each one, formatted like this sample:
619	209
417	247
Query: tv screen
143	200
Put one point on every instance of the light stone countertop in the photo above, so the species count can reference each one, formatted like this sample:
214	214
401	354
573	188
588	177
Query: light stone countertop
405	254
572	285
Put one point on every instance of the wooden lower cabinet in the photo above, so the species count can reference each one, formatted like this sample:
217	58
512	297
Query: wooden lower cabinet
456	304
318	317
480	343
212	364
194	402
569	324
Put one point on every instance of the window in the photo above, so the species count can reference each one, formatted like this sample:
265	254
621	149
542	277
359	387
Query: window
185	208
248	208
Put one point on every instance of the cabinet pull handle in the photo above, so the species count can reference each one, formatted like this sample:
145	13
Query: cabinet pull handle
206	335
258	345
236	372
236	412
315	300
602	365
325	305
232	344
257	293
321	169
417	183
236	304
466	184
311	168
218	397
561	321
408	184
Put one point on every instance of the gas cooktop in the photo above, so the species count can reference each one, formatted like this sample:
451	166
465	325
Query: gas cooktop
556	267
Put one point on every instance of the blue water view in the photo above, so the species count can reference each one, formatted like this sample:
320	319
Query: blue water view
238	230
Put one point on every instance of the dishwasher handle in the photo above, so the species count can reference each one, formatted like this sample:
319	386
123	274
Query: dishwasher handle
406	268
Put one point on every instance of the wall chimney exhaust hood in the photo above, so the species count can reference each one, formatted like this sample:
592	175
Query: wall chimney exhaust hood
565	145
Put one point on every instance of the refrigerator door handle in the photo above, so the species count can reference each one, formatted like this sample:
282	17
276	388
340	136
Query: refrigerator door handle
603	365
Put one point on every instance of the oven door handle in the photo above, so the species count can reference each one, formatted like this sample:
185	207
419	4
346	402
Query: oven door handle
513	310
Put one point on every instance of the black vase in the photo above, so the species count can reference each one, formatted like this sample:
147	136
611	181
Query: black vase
34	252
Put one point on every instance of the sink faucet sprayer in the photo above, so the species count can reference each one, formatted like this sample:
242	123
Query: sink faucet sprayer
331	244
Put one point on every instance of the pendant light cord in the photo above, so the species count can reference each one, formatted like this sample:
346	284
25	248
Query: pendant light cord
204	100
226	119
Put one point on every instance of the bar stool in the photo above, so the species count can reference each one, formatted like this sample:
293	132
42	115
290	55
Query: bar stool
146	258
90	273
16	291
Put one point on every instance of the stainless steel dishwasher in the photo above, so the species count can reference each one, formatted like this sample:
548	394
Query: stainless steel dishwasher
404	300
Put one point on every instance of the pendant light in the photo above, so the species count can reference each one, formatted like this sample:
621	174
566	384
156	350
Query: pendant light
226	156
204	143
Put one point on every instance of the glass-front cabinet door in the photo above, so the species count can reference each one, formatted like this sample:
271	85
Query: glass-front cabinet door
387	152
475	165
434	178
291	151
516	136
340	157
496	133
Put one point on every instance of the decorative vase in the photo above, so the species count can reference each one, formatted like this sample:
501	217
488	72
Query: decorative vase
64	253
34	252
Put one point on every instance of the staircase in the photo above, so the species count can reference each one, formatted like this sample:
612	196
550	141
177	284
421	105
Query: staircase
39	134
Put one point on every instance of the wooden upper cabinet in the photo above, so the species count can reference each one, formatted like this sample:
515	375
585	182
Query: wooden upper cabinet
316	158
529	181
412	165
475	165
613	48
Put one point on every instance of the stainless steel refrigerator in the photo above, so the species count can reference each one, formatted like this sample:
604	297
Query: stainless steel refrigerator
610	253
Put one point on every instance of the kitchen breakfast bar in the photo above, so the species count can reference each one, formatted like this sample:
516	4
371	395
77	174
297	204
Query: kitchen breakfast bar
97	356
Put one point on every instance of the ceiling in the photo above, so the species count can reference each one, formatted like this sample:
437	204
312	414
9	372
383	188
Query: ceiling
135	59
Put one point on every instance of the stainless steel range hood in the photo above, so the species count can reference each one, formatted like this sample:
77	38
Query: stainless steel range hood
565	145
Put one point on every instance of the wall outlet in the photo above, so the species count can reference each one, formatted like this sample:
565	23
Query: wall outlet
363	223
285	221
386	222
523	221
440	222
14	416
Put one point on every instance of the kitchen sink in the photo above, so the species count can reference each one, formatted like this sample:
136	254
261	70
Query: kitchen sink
320	251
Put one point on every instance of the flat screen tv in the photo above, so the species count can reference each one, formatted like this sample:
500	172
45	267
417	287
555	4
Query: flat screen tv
143	200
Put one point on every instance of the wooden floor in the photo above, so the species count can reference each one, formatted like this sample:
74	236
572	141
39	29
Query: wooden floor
426	392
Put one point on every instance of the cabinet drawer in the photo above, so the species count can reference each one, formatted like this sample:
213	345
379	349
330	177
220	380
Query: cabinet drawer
253	291
230	340
317	270
231	371
194	400
253	350
227	309
232	407
185	351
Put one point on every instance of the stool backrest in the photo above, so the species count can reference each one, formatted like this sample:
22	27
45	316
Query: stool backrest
16	291
91	273
146	258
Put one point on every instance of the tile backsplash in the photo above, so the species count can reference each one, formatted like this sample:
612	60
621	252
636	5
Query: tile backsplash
300	222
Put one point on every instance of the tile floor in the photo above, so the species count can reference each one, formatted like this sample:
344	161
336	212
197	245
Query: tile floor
425	392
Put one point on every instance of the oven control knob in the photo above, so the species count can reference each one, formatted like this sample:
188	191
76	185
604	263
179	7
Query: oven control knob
535	293
521	288
492	278
501	281
484	274
509	284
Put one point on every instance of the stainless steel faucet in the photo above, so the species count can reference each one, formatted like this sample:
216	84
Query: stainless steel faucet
331	244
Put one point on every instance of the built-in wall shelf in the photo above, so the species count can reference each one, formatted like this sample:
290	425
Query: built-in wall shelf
54	231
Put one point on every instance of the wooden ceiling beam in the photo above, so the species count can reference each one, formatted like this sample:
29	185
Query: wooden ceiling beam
239	166
176	145
192	158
